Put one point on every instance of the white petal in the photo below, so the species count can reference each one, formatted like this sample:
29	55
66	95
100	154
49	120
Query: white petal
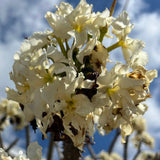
34	151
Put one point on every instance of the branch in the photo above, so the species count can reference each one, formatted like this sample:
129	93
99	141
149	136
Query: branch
50	147
138	151
114	140
91	151
70	151
12	145
157	156
112	7
27	129
125	151
1	141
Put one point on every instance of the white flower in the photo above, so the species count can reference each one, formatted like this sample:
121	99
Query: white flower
76	128
11	111
146	155
99	58
68	101
86	51
55	55
122	26
120	95
102	19
143	137
34	151
64	9
126	130
106	156
64	21
59	25
4	156
35	42
139	124
78	22
132	49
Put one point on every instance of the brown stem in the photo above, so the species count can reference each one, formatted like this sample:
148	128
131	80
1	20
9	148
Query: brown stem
125	152
69	151
12	145
157	156
27	136
112	7
50	147
1	141
138	151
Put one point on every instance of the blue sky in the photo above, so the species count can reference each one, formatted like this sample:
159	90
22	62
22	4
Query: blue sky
20	18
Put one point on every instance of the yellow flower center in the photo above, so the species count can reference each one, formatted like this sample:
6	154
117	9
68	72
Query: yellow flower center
78	27
24	87
48	78
70	105
111	91
122	44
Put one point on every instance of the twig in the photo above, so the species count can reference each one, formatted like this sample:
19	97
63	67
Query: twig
157	156
125	152
27	136
12	145
138	150
1	141
114	141
113	7
50	147
90	149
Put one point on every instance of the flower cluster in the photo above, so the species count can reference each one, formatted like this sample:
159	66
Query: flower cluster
105	156
10	112
141	136
63	83
34	152
148	155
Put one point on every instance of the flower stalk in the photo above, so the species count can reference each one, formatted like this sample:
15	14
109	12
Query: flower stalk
116	45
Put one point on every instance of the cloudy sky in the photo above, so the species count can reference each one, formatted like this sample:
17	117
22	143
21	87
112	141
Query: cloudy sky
20	18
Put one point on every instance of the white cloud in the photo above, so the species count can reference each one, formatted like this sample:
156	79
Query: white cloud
26	14
133	7
147	29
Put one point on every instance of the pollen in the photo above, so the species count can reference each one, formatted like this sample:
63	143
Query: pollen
70	105
78	28
48	78
111	91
